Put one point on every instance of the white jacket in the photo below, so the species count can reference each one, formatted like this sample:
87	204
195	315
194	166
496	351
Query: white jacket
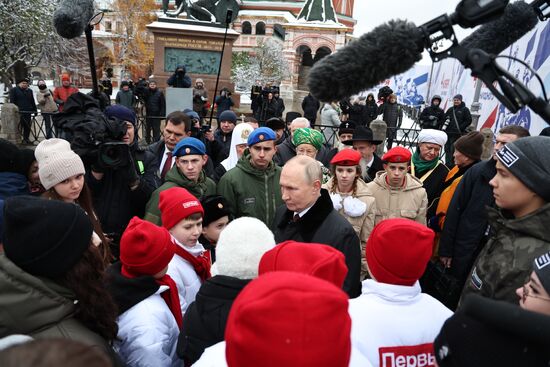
396	324
184	275
214	356
148	334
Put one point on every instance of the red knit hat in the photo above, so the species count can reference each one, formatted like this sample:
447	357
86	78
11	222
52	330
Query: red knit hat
288	319
321	261
346	157
145	249
398	251
177	204
397	155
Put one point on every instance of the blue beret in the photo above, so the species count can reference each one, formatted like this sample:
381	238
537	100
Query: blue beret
189	146
121	112
261	134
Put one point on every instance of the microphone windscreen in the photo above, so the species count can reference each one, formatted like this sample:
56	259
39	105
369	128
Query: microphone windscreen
494	37
71	17
389	49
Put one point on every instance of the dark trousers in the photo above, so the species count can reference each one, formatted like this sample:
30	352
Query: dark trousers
48	124
152	123
450	149
26	120
391	135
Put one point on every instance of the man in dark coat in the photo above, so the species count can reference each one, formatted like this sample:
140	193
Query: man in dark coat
392	114
465	227
309	216
433	117
371	110
23	98
363	141
457	118
311	106
179	79
155	105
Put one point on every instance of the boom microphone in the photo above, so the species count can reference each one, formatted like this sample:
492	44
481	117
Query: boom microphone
494	37
389	49
72	17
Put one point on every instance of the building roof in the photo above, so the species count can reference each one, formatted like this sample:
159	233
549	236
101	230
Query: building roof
318	10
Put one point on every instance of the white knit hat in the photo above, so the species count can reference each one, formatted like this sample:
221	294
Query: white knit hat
241	246
57	162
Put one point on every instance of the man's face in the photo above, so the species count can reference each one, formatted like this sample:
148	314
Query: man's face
457	102
460	159
296	192
435	102
173	134
261	154
191	165
23	85
153	85
502	140
509	192
429	151
279	133
240	148
365	148
346	136
199	85
128	138
126	88
396	173
227	126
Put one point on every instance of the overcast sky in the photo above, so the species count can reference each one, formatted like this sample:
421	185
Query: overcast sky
370	13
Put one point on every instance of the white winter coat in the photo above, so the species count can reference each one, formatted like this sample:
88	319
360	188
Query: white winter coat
394	317
184	275
148	334
214	356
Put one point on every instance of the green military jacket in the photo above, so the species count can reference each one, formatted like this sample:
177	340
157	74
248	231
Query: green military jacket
506	262
252	192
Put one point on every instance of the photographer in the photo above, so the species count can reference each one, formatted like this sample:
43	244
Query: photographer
121	193
155	106
224	102
200	98
433	117
179	79
269	106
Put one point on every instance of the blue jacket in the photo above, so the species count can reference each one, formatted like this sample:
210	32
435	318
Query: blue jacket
13	184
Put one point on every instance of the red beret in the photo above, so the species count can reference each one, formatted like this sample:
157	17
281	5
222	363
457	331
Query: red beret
346	157
397	155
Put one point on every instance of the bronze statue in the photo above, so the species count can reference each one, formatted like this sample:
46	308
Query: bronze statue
206	10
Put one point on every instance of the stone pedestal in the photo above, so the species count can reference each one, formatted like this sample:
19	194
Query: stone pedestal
198	46
10	121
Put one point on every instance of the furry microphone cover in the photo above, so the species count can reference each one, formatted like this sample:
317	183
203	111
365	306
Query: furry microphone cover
72	17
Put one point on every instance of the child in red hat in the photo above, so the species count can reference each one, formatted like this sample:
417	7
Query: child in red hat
398	194
392	319
149	318
182	216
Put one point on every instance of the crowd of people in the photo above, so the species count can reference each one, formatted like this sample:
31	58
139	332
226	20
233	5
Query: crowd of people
260	244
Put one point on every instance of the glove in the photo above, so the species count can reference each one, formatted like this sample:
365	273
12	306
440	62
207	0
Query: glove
131	172
431	117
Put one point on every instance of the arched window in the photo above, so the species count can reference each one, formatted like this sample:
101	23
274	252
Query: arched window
260	28
246	28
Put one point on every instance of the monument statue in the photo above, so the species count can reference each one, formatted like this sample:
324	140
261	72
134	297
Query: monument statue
206	10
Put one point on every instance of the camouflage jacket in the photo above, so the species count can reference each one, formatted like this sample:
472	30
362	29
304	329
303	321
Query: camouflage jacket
507	260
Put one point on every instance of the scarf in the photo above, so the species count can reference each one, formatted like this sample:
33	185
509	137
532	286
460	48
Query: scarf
200	263
420	165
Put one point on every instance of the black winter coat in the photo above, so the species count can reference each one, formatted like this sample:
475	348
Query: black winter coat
323	224
114	202
466	220
155	103
357	114
463	119
311	106
370	112
392	114
205	319
23	99
436	122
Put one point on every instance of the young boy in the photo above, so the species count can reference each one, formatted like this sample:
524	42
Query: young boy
181	215
398	194
216	217
519	231
150	318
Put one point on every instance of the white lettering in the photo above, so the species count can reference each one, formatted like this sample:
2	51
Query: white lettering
385	356
400	361
422	360
411	361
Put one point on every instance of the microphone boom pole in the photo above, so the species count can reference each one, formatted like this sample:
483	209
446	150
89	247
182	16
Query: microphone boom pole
91	56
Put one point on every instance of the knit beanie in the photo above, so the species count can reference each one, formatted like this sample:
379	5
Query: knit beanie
228	115
176	204
458	96
57	162
121	112
398	251
11	158
45	237
145	249
321	261
215	207
241	246
471	145
289	319
527	159
485	332
541	266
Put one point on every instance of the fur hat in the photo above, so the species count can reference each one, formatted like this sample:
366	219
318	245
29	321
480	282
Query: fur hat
176	204
215	207
289	319
321	261
57	162
241	246
45	237
471	145
398	251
